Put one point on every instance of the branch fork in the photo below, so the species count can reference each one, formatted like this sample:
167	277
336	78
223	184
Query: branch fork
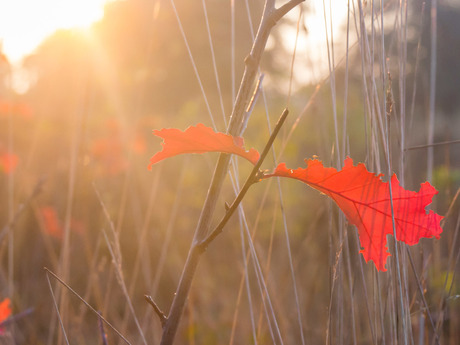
255	176
156	309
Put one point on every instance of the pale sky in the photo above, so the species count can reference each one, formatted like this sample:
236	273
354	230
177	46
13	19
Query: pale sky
25	23
311	64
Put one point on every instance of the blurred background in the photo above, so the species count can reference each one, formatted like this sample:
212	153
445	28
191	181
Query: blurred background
77	109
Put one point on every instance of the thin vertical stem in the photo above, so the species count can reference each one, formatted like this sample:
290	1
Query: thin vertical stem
434	16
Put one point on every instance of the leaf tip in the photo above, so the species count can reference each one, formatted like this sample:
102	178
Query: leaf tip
348	163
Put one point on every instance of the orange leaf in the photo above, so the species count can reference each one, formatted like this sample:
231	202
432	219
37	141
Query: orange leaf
5	310
52	225
21	109
8	162
365	200
199	139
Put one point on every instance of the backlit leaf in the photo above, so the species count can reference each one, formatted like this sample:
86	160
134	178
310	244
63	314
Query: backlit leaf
199	139
5	312
365	200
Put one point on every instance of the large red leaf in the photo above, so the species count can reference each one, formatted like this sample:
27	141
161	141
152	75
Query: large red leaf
365	200
199	139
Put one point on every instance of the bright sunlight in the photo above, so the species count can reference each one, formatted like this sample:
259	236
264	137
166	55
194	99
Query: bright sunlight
25	23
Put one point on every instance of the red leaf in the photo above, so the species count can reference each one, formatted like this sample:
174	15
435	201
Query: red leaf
365	200
8	162
5	311
199	139
21	109
51	224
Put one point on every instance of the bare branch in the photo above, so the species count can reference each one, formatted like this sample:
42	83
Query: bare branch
102	331
283	10
157	310
253	177
252	103
431	145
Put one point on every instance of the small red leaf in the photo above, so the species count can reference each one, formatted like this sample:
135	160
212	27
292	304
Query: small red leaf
51	224
8	162
5	311
21	109
365	200
200	139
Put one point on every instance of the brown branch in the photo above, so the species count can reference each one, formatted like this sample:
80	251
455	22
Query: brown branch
269	18
253	177
283	10
250	107
156	309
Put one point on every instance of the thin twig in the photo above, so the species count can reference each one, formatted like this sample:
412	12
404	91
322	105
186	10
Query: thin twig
56	307
87	304
156	309
252	103
432	99
451	267
431	145
422	295
253	177
37	190
283	10
102	331
16	317
291	74
116	259
115	252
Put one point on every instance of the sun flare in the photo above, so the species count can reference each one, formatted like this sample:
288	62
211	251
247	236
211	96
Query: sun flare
26	23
